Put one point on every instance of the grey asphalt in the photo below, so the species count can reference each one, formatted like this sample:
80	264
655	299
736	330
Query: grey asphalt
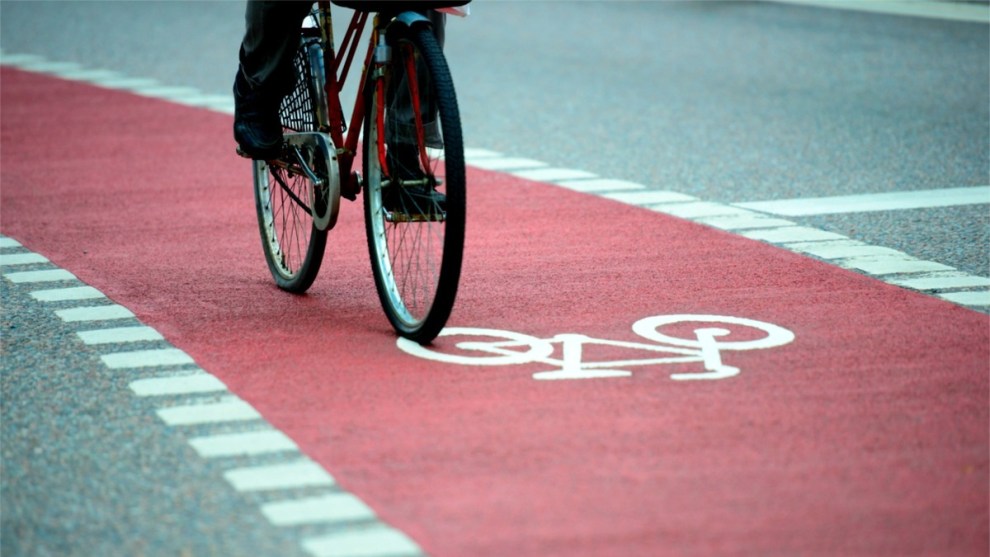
726	101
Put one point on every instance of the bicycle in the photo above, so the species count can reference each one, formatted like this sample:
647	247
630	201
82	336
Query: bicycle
412	159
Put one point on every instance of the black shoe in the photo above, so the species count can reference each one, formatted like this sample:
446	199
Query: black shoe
411	191
257	128
414	201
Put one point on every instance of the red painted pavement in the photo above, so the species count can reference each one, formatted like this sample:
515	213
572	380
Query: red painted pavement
867	435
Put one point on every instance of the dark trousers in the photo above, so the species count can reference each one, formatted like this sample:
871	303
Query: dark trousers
270	42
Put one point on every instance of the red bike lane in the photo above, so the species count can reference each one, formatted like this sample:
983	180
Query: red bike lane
865	435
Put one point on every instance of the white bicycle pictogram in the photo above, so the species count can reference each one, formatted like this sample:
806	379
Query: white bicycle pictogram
495	347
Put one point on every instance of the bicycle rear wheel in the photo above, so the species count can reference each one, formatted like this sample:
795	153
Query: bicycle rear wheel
288	199
414	195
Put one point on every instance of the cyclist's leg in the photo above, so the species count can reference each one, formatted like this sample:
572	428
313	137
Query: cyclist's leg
265	73
400	126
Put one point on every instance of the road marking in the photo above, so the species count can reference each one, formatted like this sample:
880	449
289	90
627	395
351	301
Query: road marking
247	443
979	298
72	293
890	265
94	313
699	209
973	12
21	259
119	334
843	250
597	185
231	410
506	163
871	202
48	275
332	507
374	541
146	358
649	197
943	282
177	385
293	475
551	174
743	222
374	538
787	234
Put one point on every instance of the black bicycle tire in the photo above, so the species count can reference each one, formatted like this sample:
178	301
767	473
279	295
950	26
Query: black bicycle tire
430	326
299	281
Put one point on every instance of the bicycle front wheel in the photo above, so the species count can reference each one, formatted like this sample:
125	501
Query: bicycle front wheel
414	198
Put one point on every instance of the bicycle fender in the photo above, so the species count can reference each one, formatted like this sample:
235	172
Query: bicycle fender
411	19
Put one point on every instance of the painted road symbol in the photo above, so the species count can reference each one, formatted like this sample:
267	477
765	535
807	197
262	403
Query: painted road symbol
495	347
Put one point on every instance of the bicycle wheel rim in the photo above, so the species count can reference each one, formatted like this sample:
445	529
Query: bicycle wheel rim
416	261
293	246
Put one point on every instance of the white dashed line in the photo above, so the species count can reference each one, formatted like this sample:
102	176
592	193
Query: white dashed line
232	410
507	163
21	259
177	385
551	174
48	275
373	541
146	358
979	298
223	409
293	475
329	508
94	313
248	443
788	234
872	202
649	197
119	334
597	185
943	282
69	294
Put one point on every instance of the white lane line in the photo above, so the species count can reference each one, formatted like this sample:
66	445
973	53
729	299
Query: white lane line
551	174
373	537
72	293
827	250
332	507
292	475
649	197
892	201
506	163
146	358
21	258
249	443
50	275
943	282
471	154
597	185
744	222
94	313
700	209
978	298
177	385
887	265
231	410
373	541
119	334
787	234
973	12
